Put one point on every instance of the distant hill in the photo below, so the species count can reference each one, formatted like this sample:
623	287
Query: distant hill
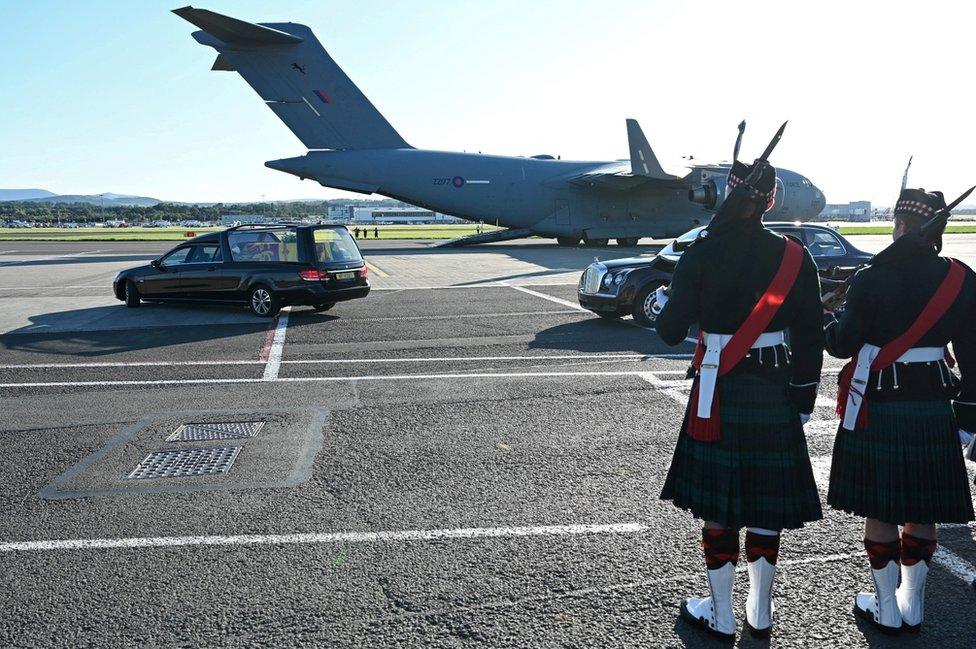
24	194
108	199
122	201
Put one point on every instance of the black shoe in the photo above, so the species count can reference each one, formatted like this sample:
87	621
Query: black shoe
868	616
759	634
702	623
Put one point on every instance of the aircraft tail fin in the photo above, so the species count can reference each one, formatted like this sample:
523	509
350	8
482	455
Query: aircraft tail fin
294	75
643	162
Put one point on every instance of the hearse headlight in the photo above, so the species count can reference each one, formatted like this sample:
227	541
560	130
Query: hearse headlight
619	278
607	279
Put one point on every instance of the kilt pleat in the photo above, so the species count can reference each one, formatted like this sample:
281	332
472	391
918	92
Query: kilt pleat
905	466
758	474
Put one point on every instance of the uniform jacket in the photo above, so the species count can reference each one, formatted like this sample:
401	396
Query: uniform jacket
718	281
883	301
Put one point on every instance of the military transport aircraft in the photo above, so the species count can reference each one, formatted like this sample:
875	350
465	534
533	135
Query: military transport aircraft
352	147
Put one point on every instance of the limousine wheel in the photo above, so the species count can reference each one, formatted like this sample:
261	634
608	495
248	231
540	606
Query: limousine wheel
263	302
644	305
131	294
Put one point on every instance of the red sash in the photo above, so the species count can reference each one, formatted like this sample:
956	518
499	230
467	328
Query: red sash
937	306
709	430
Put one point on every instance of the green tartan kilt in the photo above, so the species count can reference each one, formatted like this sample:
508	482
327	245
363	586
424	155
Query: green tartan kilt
906	466
758	474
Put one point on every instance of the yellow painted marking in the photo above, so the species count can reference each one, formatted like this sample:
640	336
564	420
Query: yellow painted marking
376	270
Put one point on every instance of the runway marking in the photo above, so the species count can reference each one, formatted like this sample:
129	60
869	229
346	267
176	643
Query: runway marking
376	269
319	379
548	297
42	288
461	316
31	261
277	346
486	284
955	564
343	361
320	538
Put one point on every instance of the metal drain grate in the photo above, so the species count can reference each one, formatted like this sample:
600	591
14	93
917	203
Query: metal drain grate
216	431
186	462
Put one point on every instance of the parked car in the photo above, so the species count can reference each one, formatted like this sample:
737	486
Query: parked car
621	287
265	267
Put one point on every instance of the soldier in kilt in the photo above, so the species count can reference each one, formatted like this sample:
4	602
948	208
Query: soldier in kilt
747	465
897	457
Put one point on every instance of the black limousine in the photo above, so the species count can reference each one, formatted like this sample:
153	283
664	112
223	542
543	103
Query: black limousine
620	287
264	267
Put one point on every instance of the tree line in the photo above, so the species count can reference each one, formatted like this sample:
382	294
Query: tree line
89	213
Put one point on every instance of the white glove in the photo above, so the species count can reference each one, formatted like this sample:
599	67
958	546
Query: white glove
804	417
660	299
965	437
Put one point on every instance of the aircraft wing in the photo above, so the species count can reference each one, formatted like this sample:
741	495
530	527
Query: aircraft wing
644	166
619	180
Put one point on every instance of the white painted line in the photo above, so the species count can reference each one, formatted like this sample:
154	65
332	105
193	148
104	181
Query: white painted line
955	564
458	316
344	361
319	379
320	538
277	346
31	261
107	285
549	297
488	283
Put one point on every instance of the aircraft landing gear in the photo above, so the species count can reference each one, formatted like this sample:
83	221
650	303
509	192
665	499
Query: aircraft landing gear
568	242
627	242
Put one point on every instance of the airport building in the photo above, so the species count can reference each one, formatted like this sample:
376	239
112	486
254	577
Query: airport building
853	211
402	215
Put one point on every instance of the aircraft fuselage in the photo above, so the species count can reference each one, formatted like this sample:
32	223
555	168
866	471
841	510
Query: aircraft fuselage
536	193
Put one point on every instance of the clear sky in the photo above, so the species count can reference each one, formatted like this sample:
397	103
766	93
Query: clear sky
116	96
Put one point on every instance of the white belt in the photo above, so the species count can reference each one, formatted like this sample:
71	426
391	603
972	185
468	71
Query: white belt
859	380
708	373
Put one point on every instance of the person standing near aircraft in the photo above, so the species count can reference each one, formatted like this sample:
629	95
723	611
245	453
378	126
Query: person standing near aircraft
896	456
741	458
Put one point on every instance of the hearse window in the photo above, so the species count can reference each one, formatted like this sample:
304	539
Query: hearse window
205	254
176	257
824	244
335	244
274	245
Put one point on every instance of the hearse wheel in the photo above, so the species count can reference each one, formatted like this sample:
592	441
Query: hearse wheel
568	242
263	302
643	305
131	294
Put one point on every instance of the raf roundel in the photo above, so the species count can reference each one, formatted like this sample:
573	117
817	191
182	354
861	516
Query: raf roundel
457	181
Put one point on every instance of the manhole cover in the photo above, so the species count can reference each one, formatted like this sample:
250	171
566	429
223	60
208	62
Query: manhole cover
185	462
215	431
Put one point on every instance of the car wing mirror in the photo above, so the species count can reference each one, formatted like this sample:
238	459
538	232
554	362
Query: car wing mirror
158	264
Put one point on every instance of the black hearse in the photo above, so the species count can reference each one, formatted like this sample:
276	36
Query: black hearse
265	267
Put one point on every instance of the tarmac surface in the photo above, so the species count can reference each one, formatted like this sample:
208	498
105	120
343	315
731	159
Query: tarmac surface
464	457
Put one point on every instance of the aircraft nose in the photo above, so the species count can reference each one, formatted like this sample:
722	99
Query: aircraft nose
819	202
